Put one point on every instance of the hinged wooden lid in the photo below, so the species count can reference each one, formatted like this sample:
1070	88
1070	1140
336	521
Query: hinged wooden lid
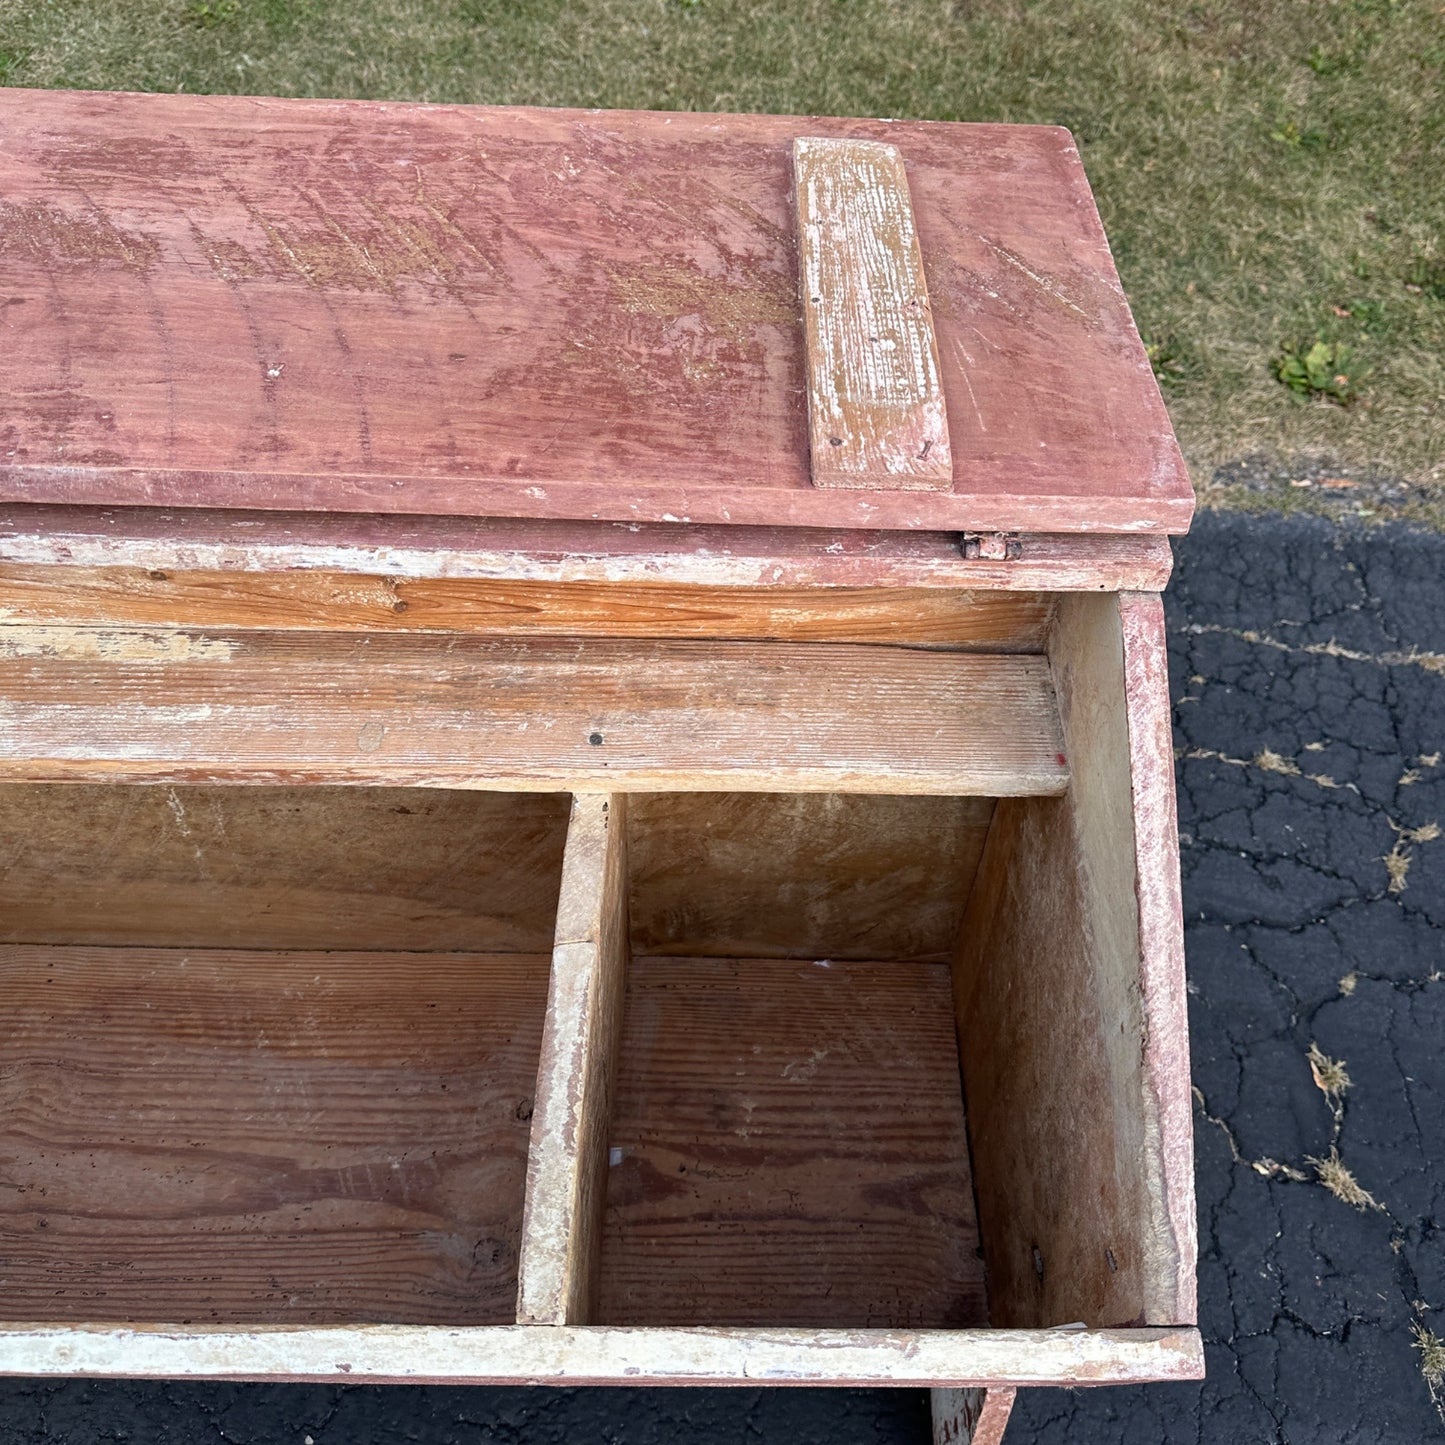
364	307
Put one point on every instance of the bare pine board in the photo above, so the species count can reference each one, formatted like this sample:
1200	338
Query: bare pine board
286	868
522	550
341	602
1069	984
790	1149
254	1137
802	875
84	704
353	306
876	414
567	1161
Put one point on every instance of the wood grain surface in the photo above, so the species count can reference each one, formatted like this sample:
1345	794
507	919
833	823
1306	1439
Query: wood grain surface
84	704
1075	1057
789	1148
876	415
802	875
353	306
285	868
510	549
253	1137
342	602
567	1159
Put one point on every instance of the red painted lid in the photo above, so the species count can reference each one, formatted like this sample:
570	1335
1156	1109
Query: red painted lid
366	307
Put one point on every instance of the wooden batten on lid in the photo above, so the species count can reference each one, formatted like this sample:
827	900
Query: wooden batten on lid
876	414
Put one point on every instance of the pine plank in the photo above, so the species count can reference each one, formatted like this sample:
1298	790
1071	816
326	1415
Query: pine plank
242	1137
341	602
85	704
876	415
790	1149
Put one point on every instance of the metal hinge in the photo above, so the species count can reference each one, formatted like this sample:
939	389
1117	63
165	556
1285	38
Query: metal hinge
992	546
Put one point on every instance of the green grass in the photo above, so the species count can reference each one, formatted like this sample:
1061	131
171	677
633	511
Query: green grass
1272	175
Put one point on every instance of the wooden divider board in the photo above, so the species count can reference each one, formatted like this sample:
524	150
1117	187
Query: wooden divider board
567	1161
876	415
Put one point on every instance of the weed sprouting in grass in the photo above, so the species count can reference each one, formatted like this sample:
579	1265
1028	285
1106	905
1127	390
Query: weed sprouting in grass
1319	370
1426	275
1300	137
1168	360
207	14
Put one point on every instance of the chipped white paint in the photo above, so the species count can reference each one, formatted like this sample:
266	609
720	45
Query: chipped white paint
531	1354
105	644
876	415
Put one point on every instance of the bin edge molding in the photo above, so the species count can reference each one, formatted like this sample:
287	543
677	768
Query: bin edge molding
599	1354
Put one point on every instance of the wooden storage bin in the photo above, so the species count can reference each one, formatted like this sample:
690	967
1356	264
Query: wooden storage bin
565	904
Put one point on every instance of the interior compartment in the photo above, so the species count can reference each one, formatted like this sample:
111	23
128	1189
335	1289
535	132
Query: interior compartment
788	1142
311	1054
269	1053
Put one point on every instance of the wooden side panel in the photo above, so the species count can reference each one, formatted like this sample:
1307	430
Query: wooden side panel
971	1417
790	1150
81	704
1069	988
525	1355
516	550
287	868
802	875
876	416
223	1137
1168	1103
320	601
567	1162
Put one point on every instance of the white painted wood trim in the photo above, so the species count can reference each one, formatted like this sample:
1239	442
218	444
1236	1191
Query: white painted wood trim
560	1354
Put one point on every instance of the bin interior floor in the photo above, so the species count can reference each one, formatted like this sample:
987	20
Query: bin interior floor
217	1136
227	1136
788	1148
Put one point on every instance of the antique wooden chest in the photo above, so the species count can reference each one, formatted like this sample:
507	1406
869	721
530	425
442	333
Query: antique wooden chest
585	755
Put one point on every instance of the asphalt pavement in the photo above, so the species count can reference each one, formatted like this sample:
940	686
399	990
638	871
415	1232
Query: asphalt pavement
1308	668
